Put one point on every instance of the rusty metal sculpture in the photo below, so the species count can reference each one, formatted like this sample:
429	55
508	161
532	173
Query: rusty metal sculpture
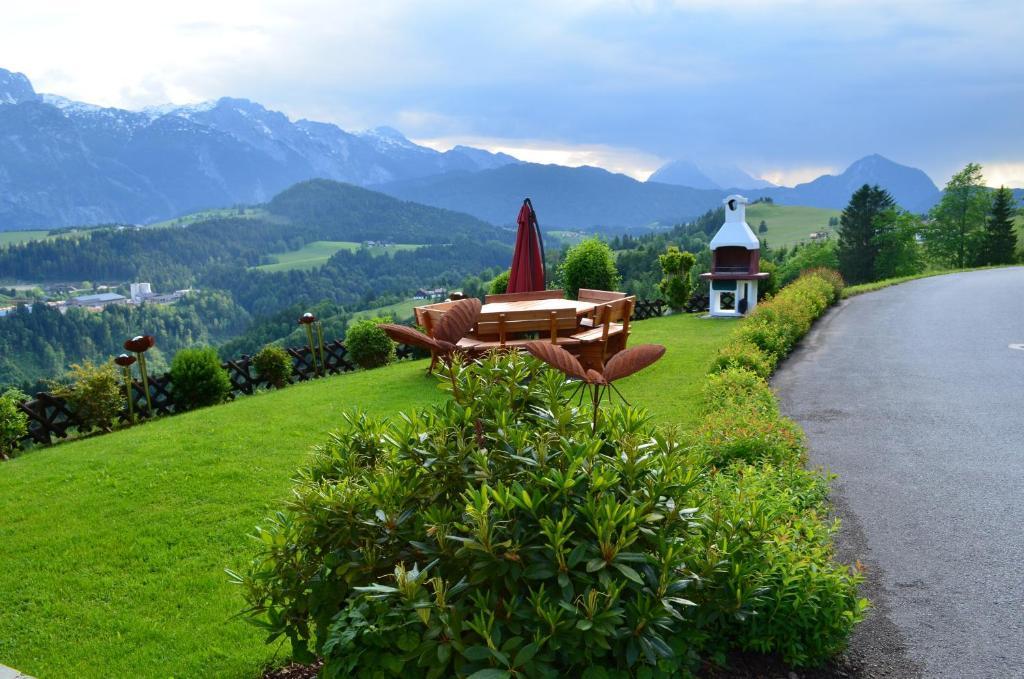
126	361
315	329
456	323
139	345
622	364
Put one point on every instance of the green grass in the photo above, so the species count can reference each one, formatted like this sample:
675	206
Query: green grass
316	254
789	224
854	290
397	311
15	237
114	547
185	220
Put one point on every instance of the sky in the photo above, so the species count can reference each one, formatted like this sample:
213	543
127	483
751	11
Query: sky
785	89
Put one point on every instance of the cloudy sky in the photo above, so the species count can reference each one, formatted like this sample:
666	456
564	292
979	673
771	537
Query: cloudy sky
785	89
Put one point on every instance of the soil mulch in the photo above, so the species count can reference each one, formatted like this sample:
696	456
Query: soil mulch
294	671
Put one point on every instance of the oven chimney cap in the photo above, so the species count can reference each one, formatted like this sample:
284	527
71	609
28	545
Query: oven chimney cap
735	232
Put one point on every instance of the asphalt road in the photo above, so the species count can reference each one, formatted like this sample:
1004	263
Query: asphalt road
915	398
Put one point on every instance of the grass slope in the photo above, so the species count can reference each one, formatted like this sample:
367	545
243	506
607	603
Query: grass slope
114	547
315	254
15	237
789	224
216	213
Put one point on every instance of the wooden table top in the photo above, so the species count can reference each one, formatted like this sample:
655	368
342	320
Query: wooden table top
539	305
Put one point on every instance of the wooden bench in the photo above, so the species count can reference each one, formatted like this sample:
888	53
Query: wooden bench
609	335
524	296
597	297
497	329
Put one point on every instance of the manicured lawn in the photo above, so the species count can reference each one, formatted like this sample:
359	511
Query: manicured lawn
114	548
315	254
789	224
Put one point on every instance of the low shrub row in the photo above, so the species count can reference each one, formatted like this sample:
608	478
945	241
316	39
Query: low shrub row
498	534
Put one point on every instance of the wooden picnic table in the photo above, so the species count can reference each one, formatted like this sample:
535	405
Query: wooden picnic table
540	305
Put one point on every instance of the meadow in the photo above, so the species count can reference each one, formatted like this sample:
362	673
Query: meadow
316	254
789	224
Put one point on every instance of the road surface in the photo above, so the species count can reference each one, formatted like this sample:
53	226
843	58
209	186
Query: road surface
914	396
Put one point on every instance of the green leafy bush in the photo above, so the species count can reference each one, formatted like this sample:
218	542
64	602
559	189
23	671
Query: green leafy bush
499	284
498	535
737	387
743	433
274	365
368	345
676	265
95	395
741	353
197	379
13	422
788	595
588	264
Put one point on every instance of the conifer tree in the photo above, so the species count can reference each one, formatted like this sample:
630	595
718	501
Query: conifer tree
999	245
858	246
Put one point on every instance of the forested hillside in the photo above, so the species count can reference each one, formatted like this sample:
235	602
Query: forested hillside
218	255
41	343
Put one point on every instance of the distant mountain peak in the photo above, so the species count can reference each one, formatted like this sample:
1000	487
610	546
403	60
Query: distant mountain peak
16	88
706	176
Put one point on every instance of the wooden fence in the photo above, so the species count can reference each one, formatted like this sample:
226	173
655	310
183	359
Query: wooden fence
49	416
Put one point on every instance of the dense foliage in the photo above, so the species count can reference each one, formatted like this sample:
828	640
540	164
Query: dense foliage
94	393
197	379
676	286
956	228
498	535
589	264
368	345
13	422
999	243
274	365
43	342
499	284
858	245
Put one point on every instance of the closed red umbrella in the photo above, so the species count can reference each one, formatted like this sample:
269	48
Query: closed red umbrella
527	272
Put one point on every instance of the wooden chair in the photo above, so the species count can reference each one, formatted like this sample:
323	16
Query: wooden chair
608	337
523	296
597	297
494	329
427	317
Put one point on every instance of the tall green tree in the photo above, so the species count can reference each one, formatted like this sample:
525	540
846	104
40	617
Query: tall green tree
858	246
899	254
999	245
955	231
676	265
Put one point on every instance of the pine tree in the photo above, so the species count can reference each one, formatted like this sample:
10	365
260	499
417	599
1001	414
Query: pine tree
762	227
858	247
1000	241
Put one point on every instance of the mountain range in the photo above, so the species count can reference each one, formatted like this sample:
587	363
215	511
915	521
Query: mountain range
68	163
64	162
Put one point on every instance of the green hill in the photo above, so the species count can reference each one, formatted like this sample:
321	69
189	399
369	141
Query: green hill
789	224
114	547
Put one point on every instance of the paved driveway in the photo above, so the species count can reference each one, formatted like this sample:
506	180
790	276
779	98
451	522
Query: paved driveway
915	398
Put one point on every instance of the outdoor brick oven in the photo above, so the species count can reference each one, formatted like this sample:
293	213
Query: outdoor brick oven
735	263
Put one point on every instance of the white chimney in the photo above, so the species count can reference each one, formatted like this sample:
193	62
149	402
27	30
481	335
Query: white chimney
735	232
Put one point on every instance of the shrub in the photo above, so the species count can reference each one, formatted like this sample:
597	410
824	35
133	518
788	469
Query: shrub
742	433
788	593
737	387
95	395
499	284
588	264
274	365
13	422
496	534
368	345
676	265
741	353
197	379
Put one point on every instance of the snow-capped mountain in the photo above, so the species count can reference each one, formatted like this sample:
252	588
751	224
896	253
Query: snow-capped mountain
64	162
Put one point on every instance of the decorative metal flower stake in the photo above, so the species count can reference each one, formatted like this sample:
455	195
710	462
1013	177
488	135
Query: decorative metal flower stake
139	345
309	321
126	361
453	326
622	364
